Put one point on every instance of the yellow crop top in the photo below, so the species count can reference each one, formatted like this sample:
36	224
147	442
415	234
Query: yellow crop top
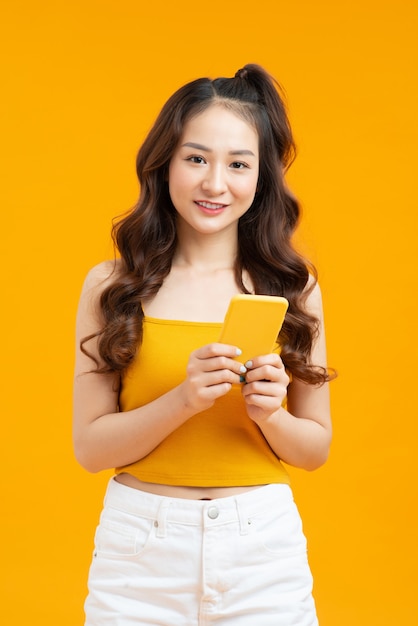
219	447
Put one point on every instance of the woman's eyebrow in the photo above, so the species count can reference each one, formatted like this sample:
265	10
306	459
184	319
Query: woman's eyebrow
199	146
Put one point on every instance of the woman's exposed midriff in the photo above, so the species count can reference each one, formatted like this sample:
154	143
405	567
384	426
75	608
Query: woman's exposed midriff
175	491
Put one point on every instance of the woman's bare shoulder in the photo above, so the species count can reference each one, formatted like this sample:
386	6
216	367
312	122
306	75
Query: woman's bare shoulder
96	281
313	290
101	276
313	296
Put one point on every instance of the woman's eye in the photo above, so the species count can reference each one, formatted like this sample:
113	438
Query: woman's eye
196	159
238	165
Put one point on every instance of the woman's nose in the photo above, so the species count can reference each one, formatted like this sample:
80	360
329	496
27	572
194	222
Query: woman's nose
214	181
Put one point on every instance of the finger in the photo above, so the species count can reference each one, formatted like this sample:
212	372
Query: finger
268	373
263	396
223	364
267	403
204	397
211	364
266	359
263	401
218	349
263	388
218	377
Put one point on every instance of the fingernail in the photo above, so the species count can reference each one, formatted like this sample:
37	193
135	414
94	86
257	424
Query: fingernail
243	369
249	364
238	351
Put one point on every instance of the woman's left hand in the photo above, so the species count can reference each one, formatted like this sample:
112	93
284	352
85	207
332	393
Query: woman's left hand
265	386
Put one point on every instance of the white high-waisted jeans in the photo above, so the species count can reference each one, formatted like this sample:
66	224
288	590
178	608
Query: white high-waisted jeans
238	560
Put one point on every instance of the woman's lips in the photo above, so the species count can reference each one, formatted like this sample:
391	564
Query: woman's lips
211	207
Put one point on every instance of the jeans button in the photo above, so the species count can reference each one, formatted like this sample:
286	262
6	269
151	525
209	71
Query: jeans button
213	512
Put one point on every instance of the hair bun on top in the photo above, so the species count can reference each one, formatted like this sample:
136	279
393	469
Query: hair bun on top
241	73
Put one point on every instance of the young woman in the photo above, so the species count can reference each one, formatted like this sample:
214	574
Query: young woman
199	524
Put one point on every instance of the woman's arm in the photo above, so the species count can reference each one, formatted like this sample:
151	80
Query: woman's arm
300	435
103	436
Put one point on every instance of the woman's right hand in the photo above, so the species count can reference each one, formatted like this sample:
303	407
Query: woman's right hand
211	372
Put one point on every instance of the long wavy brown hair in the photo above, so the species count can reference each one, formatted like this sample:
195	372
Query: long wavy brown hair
146	237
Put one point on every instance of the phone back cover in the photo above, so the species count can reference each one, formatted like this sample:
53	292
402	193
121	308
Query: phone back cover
252	323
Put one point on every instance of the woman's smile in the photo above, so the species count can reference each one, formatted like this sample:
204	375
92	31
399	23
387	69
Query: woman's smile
210	208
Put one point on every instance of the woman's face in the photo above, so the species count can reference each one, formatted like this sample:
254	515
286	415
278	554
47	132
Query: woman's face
213	173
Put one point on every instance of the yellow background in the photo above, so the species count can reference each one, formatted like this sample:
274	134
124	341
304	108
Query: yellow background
81	84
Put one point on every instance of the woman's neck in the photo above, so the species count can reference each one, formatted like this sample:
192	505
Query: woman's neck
206	253
201	281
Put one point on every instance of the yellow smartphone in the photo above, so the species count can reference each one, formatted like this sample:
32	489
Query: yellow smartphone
252	323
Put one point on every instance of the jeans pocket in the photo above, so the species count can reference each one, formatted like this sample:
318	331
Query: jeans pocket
122	536
279	532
